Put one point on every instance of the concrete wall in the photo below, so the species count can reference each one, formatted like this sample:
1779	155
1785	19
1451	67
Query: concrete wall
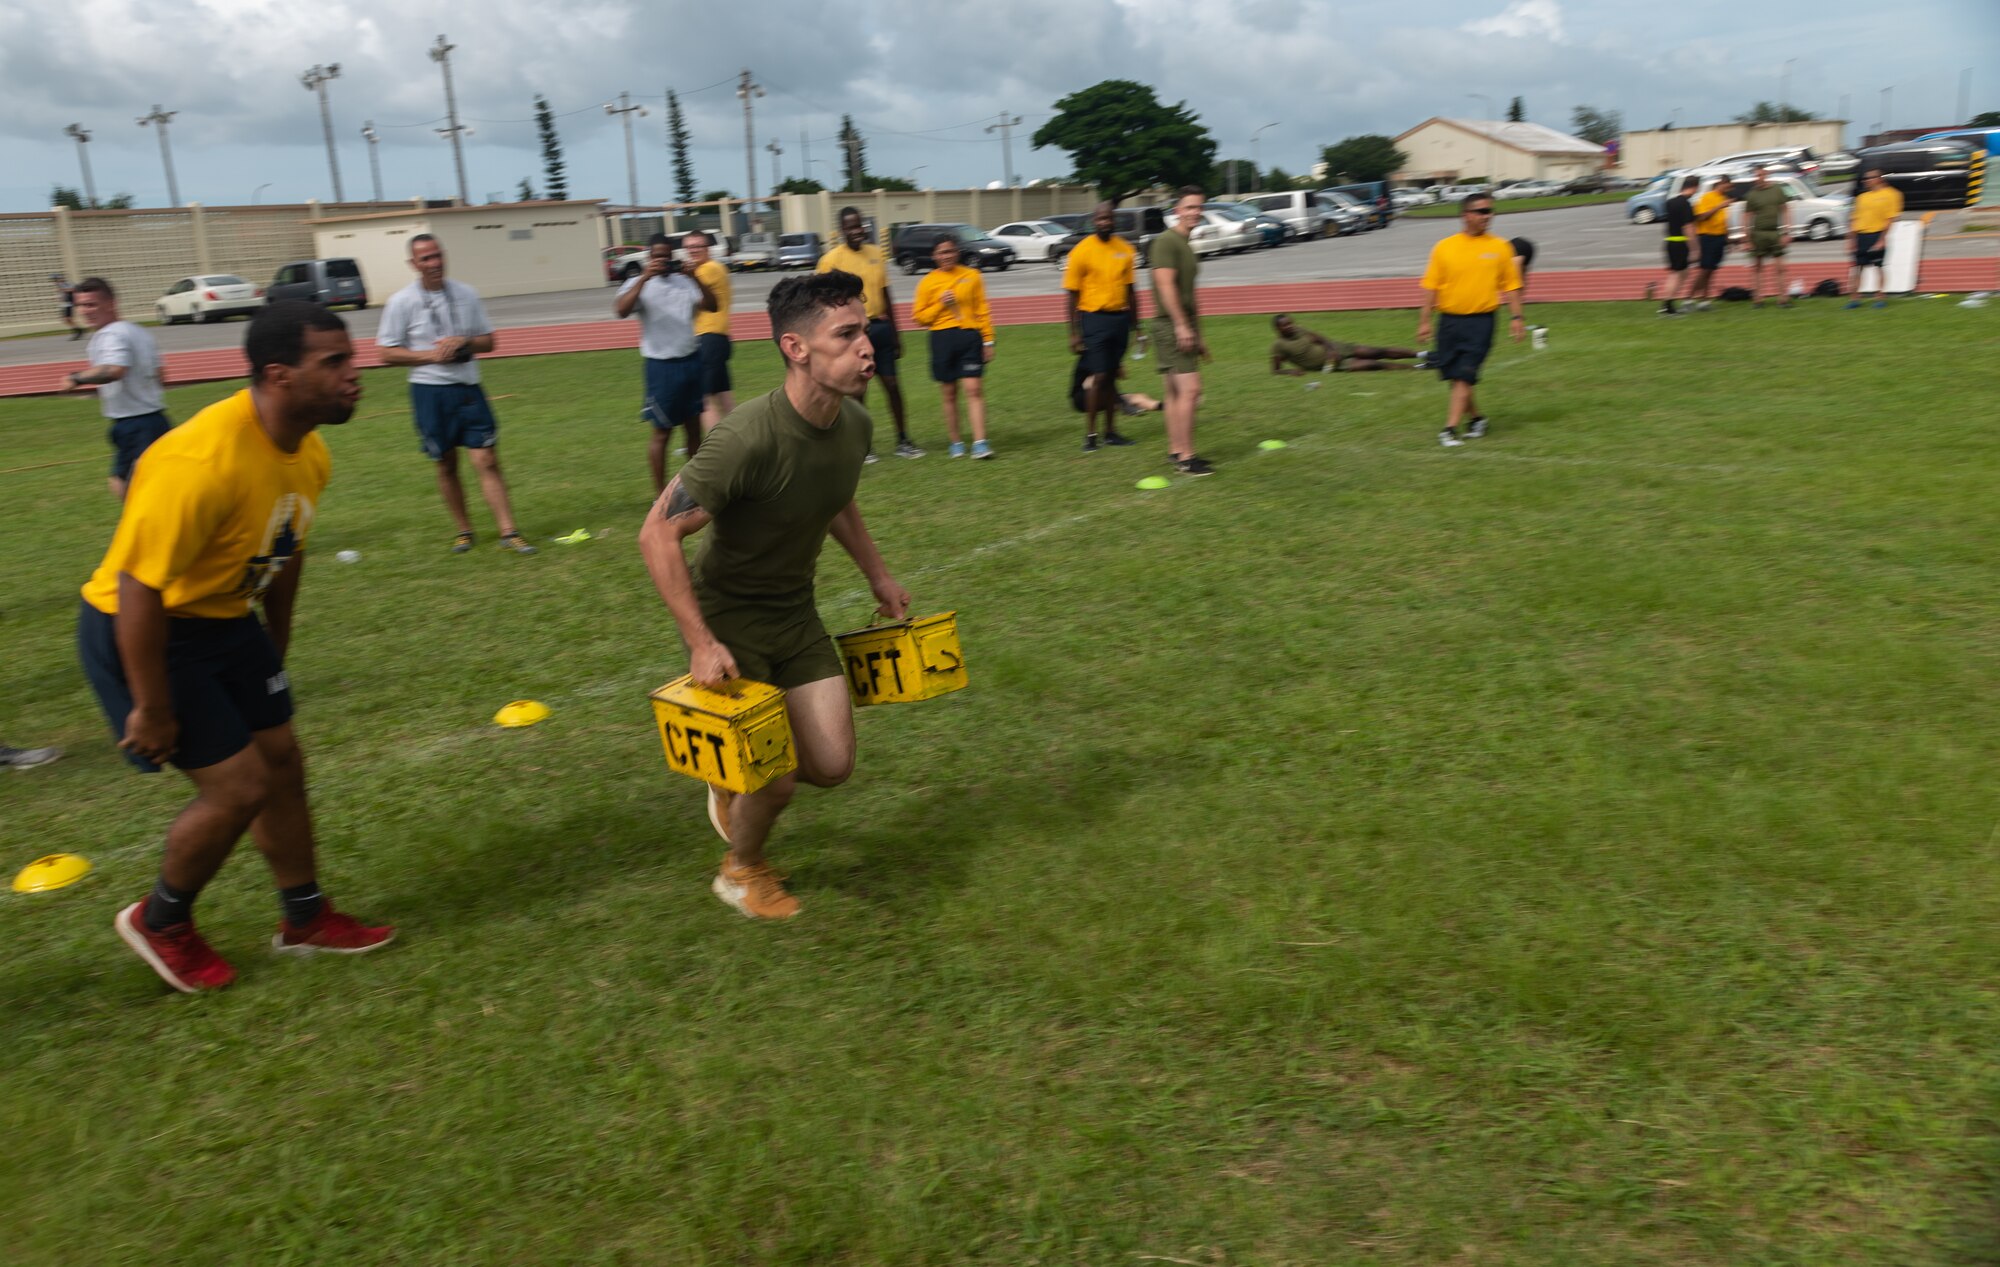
985	208
1650	153
1442	154
528	248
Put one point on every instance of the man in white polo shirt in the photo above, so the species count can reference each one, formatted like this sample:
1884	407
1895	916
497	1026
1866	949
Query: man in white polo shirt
436	326
665	298
125	370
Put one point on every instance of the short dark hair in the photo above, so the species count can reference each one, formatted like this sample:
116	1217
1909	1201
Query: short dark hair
1873	171
1196	190
851	211
1283	316
703	234
277	334
94	286
796	303
1689	182
658	239
424	237
1465	203
944	238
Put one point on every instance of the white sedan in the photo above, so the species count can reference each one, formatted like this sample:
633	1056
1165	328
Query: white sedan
1529	189
1221	233
1031	239
212	297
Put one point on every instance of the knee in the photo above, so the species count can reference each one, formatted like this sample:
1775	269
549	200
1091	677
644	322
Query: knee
244	794
487	459
827	770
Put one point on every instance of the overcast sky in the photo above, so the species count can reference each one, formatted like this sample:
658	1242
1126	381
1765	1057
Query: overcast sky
921	79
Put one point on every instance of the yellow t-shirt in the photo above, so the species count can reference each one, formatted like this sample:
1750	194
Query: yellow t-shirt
717	277
971	312
1101	273
1711	214
1469	273
215	512
1875	209
867	264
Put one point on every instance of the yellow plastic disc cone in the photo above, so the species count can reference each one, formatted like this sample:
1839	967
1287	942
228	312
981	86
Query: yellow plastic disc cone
57	871
1154	482
522	712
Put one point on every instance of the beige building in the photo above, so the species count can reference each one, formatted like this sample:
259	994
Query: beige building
1664	149
515	248
1455	151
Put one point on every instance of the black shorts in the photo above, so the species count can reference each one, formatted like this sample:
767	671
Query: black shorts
882	337
714	350
452	416
132	436
1105	337
957	353
1677	256
1463	340
1713	247
673	391
1868	249
223	678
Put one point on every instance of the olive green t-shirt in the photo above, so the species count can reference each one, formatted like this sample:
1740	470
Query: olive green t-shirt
772	483
1767	207
1172	250
1301	350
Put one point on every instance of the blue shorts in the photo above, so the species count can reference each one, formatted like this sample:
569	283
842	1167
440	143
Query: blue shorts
130	437
1713	247
673	391
714	350
882	337
224	681
957	353
1868	249
1463	340
452	416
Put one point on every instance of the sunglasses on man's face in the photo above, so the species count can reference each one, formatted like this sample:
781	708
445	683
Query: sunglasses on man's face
1479	211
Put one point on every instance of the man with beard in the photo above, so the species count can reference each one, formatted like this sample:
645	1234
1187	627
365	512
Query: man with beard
217	519
1103	301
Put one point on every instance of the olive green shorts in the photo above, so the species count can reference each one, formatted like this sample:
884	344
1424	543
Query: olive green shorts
1167	348
1767	244
778	646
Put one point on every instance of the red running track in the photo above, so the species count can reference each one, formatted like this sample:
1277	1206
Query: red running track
1326	296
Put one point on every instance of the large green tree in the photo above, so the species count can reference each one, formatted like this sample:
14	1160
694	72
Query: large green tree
1517	111
63	196
1771	112
1122	140
553	182
1370	157
677	141
1599	127
798	185
1242	168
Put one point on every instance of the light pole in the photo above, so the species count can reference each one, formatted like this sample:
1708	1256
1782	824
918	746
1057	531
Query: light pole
373	138
747	91
1965	96
159	119
625	110
1006	126
1887	97
913	173
82	138
777	175
315	81
441	54
1487	103
1784	97
258	192
1256	164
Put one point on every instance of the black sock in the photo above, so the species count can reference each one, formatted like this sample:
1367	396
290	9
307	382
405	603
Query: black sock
169	906
302	903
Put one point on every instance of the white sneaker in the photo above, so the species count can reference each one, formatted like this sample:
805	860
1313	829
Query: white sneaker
718	811
1448	439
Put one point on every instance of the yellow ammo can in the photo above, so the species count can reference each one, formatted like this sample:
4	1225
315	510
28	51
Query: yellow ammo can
903	661
737	738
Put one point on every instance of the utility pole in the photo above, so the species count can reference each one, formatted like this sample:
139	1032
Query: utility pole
1965	96
805	153
1887	97
777	176
626	110
1256	163
1006	126
160	119
82	138
747	90
441	54
373	138
1784	100
315	81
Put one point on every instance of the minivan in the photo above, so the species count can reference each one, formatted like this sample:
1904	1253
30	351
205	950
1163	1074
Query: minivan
324	282
1301	210
1946	172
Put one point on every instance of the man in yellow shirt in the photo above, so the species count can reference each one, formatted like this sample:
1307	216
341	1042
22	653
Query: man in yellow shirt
217	518
1103	301
951	303
1875	209
1468	276
1711	235
857	255
711	331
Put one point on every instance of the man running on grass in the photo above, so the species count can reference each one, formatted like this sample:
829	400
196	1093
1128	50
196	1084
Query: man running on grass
1298	350
774	479
218	517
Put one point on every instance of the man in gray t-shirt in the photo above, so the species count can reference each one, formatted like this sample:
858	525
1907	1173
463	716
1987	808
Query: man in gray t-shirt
125	371
665	298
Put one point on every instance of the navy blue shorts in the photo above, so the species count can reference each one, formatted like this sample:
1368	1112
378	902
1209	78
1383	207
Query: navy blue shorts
1105	337
1463	340
957	353
130	437
882	337
1868	249
1713	247
452	416
223	678
673	391
714	350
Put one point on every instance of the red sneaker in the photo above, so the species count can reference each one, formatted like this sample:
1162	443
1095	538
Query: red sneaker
183	960
330	933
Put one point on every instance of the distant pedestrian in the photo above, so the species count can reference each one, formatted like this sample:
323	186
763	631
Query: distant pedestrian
711	330
125	371
1524	259
66	296
1469	275
436	326
857	255
951	302
1678	217
667	300
1769	209
1102	296
1177	339
1711	225
1875	209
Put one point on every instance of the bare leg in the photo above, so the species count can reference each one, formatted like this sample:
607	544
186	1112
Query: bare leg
1183	398
493	486
284	830
822	721
454	492
975	396
229	796
894	391
950	393
715	408
117	487
1461	404
656	458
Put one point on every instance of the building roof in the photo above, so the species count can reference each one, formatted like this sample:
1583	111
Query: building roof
1529	138
587	204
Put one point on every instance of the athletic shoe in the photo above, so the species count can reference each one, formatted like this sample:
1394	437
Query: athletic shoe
1477	429
1127	408
757	892
870	460
718	811
905	449
26	758
957	450
330	933
516	543
1669	312
461	543
1449	438
1422	361
981	449
1090	444
1852	303
183	960
1703	306
1881	303
1193	465
1117	440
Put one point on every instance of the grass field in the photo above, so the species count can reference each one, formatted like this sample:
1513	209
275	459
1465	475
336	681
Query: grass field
1575	848
1504	206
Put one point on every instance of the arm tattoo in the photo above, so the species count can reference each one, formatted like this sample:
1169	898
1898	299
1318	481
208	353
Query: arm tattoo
678	501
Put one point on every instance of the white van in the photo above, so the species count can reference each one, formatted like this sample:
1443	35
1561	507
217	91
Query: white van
1305	216
1814	215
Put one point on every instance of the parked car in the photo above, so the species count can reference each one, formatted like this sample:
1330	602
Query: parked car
1032	239
326	282
1650	203
1137	225
752	250
1929	174
1815	215
1529	189
1797	157
1596	182
1404	199
1452	193
1262	230
1222	233
1302	211
209	297
1353	214
1838	163
1071	221
1373	197
799	250
977	249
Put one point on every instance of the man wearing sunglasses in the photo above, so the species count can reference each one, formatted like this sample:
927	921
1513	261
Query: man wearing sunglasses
1469	274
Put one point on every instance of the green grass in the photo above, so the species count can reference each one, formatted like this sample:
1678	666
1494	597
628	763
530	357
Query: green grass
1576	848
1507	206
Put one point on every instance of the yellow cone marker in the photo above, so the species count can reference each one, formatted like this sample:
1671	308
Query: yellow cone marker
1154	481
522	712
56	871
